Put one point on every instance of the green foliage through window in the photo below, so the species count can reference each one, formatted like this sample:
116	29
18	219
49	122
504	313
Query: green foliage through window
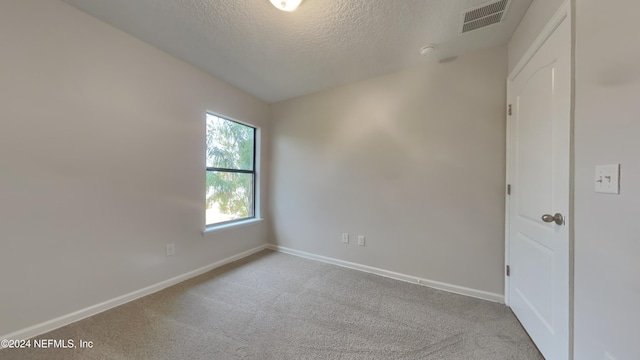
230	170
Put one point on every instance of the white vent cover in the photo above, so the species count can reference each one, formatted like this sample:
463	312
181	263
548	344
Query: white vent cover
484	15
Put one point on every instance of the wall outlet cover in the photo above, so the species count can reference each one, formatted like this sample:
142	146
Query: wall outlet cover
171	249
361	240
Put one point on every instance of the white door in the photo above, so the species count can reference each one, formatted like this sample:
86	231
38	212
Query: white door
539	129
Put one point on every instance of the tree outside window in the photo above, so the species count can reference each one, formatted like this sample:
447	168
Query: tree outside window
230	184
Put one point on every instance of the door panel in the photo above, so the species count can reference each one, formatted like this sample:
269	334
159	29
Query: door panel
539	147
535	265
534	107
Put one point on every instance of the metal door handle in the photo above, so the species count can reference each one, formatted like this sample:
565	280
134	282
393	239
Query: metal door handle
557	218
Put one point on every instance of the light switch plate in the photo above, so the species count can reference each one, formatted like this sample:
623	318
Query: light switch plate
607	179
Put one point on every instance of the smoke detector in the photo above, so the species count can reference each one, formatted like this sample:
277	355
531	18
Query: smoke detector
425	50
484	15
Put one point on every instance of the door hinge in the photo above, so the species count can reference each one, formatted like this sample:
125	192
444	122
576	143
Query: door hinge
509	111
508	189
508	270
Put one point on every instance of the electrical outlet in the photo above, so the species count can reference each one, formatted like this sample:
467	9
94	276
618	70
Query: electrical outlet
361	240
171	249
345	238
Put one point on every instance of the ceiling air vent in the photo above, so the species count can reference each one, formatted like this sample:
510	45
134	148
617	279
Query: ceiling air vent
484	15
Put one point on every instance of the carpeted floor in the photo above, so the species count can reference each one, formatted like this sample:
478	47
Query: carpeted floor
276	306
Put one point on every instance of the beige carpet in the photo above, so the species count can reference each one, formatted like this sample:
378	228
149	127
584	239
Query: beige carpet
277	306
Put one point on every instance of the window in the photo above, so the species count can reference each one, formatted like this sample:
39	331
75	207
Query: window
231	174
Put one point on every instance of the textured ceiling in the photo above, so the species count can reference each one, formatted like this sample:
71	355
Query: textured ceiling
276	55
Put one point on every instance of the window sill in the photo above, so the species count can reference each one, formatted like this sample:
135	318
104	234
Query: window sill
231	226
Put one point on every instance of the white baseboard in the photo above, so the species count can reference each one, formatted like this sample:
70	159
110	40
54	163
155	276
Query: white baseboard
394	275
109	304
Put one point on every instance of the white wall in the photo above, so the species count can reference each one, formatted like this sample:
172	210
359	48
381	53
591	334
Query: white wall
101	163
539	13
412	160
607	227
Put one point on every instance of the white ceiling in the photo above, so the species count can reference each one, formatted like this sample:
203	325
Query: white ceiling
276	55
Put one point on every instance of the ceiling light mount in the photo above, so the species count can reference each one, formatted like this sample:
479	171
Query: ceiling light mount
286	5
427	49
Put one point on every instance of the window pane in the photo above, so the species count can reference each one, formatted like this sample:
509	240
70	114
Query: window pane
229	144
229	196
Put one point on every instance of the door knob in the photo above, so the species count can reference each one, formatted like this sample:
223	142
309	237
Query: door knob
557	218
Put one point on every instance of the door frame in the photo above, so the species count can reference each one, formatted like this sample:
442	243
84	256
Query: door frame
563	13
